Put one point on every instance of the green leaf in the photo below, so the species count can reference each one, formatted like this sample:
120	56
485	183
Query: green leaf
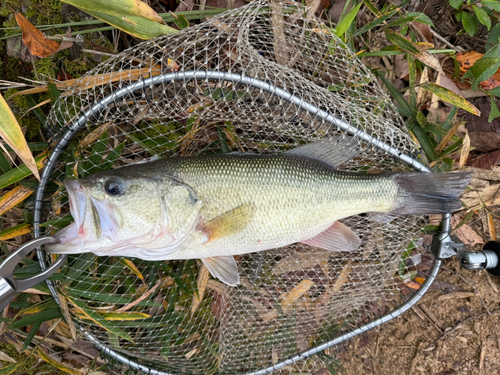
494	113
374	23
495	5
181	22
98	319
420	17
423	139
494	35
403	106
40	317
134	25
17	174
483	69
470	23
450	97
482	16
345	22
30	336
495	91
9	369
4	163
402	42
37	111
456	3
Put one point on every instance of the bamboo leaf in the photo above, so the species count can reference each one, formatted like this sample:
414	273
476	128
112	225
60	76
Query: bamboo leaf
125	316
344	24
15	231
14	197
417	51
60	366
132	267
98	319
35	318
450	97
12	134
118	8
130	23
17	174
9	369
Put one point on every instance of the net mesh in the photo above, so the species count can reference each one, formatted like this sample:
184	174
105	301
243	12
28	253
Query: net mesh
171	315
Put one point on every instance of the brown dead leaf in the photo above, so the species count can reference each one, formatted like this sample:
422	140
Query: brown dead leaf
467	59
465	233
464	153
487	161
293	295
13	197
202	281
423	29
34	39
343	278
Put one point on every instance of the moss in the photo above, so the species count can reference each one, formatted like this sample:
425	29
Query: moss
39	12
29	367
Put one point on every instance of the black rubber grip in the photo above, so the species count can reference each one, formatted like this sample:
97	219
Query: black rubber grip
495	247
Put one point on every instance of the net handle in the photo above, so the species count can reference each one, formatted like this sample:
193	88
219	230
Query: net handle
150	82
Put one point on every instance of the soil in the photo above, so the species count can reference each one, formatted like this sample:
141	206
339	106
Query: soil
454	329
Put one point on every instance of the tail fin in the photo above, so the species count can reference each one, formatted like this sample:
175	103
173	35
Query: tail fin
429	193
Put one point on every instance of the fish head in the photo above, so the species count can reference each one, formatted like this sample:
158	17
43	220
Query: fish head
114	212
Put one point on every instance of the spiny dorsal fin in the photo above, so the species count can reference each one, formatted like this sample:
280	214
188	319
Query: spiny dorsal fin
229	222
334	151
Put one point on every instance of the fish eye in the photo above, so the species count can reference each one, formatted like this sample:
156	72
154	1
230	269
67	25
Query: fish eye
113	187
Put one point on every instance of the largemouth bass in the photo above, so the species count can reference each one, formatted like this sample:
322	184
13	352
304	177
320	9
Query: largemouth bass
214	207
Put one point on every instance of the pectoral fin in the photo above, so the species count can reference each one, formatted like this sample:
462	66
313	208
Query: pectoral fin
224	268
337	237
229	222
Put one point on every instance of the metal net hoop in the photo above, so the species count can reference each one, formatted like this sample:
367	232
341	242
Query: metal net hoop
218	87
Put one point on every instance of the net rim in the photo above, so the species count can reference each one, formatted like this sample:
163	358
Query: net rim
223	76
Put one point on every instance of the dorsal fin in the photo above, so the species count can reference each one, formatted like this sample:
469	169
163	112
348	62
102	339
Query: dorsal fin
334	151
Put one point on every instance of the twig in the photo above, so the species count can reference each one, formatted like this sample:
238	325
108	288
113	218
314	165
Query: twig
141	298
464	322
440	38
98	52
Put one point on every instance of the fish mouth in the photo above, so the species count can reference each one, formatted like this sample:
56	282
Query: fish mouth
77	201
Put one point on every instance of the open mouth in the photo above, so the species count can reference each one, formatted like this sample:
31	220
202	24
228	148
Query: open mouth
77	201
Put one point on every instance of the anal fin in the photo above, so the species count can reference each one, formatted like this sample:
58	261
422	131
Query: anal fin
224	268
337	237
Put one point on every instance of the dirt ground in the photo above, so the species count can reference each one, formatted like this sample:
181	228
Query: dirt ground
454	329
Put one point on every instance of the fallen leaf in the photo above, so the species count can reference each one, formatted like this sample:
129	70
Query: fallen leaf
465	233
467	59
293	295
13	197
486	161
202	282
450	97
300	261
464	153
34	39
424	29
6	358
